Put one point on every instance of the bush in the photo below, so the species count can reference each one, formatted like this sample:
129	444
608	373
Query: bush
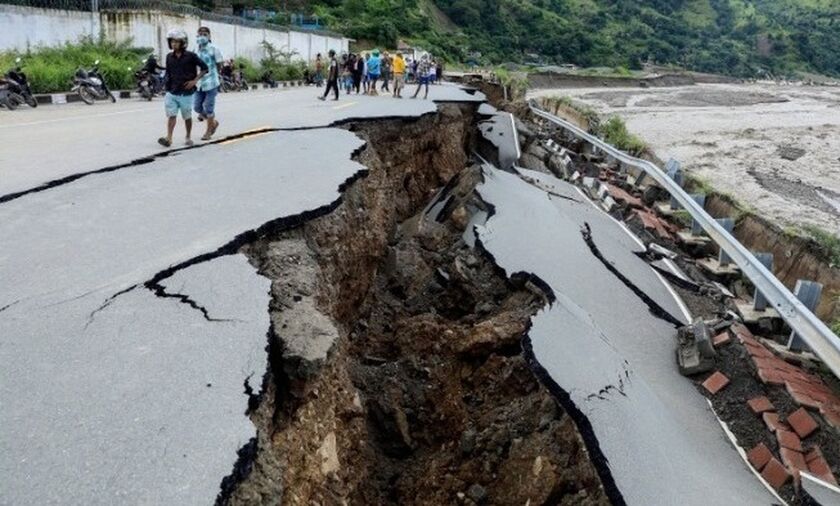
51	69
615	132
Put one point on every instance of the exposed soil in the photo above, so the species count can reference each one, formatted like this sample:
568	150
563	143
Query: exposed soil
409	386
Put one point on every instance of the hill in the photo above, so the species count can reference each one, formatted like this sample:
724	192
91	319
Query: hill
735	37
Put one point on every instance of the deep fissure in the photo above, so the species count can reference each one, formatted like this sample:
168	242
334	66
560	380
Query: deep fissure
399	405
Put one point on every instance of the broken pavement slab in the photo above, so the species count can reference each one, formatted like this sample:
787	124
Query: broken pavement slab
122	377
618	380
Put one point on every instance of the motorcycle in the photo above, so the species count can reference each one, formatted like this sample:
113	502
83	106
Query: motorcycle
8	98
19	85
90	85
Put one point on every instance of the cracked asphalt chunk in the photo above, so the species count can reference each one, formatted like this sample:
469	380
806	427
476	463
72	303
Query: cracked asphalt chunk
101	378
651	445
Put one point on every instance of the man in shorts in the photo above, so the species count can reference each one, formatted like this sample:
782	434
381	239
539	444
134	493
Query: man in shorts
208	86
398	67
183	71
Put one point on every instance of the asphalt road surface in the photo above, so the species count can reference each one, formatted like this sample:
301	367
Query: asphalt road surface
113	390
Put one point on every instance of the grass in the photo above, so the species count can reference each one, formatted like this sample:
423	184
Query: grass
589	114
835	327
515	82
51	69
828	242
615	132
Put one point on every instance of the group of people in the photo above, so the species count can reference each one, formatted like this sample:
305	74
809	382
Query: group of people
362	73
192	82
193	79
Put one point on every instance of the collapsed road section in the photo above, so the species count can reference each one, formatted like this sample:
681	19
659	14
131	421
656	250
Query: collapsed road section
358	315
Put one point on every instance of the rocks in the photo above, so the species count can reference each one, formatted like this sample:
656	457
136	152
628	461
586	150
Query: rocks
791	153
502	331
532	162
477	493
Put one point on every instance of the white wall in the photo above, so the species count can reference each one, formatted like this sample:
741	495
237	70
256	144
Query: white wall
22	28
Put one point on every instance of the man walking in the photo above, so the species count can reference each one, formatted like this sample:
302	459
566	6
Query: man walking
398	67
374	69
387	68
424	70
332	77
183	70
208	87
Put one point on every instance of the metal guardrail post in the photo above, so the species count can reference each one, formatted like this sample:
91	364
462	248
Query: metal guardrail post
728	224
809	292
811	329
760	302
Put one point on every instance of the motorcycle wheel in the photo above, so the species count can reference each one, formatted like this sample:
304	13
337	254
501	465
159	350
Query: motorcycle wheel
11	103
31	101
87	95
112	97
146	93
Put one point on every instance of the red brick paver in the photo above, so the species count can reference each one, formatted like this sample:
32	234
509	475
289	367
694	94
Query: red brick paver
788	439
759	456
759	405
794	460
831	415
818	466
716	382
721	339
802	423
773	423
775	474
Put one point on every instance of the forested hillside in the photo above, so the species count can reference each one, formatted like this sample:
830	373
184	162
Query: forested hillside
740	37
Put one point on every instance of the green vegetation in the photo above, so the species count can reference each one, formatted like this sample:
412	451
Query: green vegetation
835	327
587	113
828	242
51	69
615	132
516	83
735	37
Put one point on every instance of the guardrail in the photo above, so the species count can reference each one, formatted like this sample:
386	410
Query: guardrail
811	329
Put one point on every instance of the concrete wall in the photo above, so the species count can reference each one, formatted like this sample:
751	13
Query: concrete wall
22	28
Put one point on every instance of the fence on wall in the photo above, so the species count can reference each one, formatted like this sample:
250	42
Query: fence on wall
164	6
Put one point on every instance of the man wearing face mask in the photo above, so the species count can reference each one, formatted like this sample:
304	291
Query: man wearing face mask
208	87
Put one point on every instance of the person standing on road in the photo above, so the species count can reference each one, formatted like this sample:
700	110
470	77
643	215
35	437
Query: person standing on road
374	71
424	71
387	68
332	77
183	71
208	86
439	71
319	70
358	71
398	68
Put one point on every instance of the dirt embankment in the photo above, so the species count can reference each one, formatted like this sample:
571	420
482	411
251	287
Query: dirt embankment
557	80
396	372
794	258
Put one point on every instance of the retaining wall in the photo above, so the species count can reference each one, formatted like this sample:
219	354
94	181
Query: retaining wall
23	28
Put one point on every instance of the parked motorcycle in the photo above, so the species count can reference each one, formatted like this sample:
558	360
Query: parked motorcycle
8	98
18	84
90	85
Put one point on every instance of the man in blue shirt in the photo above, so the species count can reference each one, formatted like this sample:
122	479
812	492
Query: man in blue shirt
208	86
374	67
